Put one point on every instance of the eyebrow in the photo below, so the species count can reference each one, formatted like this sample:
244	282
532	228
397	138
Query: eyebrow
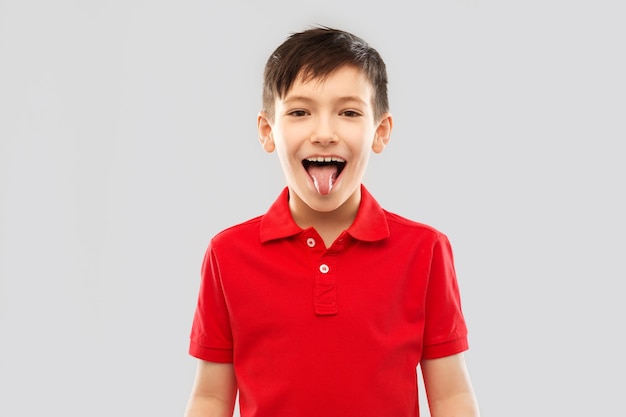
306	99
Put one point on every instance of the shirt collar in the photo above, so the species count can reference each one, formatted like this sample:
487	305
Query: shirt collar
370	223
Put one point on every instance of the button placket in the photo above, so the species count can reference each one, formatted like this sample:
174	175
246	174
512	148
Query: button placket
322	262
325	292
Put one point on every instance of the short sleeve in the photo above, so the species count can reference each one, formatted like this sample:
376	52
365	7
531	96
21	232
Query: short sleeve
445	330
211	336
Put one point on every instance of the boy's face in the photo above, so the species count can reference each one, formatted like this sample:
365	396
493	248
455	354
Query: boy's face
323	131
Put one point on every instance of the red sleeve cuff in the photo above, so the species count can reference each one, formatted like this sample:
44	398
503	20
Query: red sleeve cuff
210	354
441	350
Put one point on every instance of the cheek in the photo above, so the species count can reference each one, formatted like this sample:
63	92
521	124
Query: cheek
361	139
359	132
285	152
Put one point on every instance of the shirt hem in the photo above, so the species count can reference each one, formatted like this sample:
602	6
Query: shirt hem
441	350
210	354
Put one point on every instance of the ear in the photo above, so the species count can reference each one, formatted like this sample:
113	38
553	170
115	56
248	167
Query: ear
264	128
383	133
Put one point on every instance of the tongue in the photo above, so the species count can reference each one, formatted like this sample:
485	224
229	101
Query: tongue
323	177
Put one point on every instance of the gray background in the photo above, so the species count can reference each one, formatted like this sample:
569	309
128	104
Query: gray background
128	138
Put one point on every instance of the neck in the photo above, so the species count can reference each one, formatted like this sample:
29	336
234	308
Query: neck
329	224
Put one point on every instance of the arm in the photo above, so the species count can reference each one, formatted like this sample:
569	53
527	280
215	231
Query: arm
448	387
214	391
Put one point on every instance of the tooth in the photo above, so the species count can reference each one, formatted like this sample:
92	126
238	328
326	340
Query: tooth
325	159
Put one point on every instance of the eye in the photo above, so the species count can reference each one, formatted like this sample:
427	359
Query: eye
298	113
350	113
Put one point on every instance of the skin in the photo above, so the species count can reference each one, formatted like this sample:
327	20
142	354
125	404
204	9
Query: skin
448	387
214	391
330	117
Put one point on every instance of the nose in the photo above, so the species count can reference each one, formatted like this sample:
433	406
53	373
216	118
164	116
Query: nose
324	132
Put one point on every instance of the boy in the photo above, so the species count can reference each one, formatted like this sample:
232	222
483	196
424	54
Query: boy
325	305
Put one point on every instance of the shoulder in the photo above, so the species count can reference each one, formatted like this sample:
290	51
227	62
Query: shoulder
410	234
240	232
403	224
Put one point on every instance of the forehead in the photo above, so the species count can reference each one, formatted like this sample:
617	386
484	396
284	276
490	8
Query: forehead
346	81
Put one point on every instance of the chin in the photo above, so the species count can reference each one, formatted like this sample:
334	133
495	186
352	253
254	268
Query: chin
331	202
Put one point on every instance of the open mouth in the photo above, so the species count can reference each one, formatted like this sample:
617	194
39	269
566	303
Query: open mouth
324	171
322	162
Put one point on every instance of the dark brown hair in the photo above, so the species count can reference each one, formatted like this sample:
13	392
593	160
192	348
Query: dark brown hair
316	53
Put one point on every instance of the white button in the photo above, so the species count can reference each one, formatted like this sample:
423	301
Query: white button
324	268
311	242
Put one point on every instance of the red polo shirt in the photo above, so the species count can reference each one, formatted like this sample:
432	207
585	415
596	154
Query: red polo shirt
328	332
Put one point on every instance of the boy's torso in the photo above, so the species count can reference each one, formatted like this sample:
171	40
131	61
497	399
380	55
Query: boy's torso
335	331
